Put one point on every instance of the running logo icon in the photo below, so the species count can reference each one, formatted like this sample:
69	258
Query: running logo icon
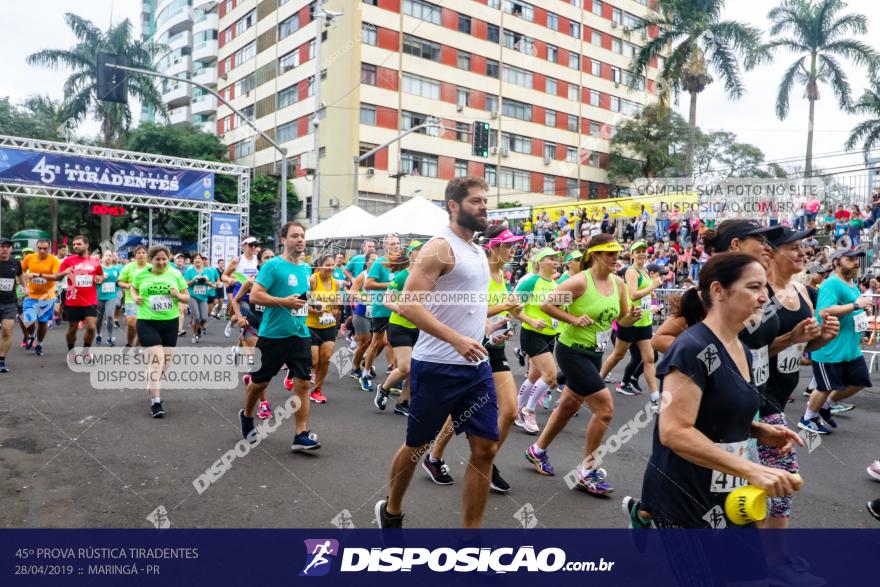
319	556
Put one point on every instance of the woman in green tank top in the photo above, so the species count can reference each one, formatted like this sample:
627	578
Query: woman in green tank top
593	298
638	287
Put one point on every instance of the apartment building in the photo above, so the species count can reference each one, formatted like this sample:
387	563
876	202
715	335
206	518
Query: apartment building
549	77
188	31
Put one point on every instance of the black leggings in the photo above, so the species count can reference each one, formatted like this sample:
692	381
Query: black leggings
157	332
635	367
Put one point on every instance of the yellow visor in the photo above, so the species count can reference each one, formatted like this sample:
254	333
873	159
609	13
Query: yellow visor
611	247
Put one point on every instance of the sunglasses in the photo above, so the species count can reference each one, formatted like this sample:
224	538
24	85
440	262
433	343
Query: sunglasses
253	244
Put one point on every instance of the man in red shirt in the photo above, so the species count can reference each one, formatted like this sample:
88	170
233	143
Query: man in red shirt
842	214
83	275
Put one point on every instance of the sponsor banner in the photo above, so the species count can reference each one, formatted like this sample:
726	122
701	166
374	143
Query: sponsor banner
224	237
57	170
169	556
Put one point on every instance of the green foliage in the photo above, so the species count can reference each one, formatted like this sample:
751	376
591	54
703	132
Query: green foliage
265	206
509	205
867	132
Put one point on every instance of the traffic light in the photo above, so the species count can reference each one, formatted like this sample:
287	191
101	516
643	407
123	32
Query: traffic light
112	83
481	139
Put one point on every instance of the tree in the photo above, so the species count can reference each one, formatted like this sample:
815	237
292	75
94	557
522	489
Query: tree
867	132
702	42
819	35
720	157
265	199
80	88
651	144
503	205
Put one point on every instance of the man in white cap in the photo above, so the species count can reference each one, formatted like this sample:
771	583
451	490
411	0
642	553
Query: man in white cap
246	265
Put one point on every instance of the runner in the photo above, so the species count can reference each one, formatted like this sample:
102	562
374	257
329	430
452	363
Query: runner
357	264
537	338
39	305
282	288
324	304
360	321
157	292
449	372
634	367
219	293
839	366
572	262
181	265
701	436
599	297
108	298
402	336
10	279
377	282
126	277
199	280
238	270
249	317
83	275
639	287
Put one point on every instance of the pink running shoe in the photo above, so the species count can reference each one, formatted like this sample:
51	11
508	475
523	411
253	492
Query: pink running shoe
530	424
288	382
264	411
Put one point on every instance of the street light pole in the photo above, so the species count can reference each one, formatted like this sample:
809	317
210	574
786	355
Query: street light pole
238	112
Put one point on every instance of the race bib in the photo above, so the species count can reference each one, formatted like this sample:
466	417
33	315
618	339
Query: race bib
723	482
161	303
258	308
760	366
301	312
554	324
200	290
7	284
602	340
82	280
369	312
326	319
39	280
108	287
860	321
789	360
646	304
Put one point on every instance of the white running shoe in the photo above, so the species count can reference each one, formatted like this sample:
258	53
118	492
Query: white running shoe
530	424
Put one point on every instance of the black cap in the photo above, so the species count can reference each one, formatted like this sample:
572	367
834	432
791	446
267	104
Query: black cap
788	235
5	241
655	268
732	229
846	253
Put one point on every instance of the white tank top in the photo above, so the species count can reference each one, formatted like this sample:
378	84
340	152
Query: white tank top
470	274
248	267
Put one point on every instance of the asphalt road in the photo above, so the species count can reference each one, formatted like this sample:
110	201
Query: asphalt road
75	456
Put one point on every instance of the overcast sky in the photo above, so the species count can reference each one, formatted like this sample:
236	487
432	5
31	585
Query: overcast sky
35	24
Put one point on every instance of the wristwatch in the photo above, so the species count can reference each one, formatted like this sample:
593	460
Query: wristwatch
856	306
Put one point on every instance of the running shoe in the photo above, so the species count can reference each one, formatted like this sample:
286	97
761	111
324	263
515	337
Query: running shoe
111	341
181	333
372	372
389	369
840	407
396	389
631	507
247	426
874	470
381	398
312	377
195	340
438	471
813	425
825	414
594	482
541	461
610	379
38	350
156	410
655	406
246	379
227	332
874	508
288	382
355	374
520	356
264	411
98	338
530	425
365	383
518	421
402	408
306	440
625	389
3	367
318	397
808	391
353	344
27	342
498	484
384	520
545	402
635	385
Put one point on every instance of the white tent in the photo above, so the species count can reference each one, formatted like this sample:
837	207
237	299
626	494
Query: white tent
353	222
417	216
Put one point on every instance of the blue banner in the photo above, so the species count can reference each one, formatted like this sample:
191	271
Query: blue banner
175	244
225	237
57	170
658	558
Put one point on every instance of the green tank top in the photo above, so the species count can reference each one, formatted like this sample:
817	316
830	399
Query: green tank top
497	295
396	285
644	302
603	310
534	284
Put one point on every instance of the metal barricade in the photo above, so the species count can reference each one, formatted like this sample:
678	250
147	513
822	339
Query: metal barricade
661	298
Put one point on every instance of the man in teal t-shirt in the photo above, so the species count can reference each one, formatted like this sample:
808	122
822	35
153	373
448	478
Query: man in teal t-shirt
357	263
378	279
281	287
839	366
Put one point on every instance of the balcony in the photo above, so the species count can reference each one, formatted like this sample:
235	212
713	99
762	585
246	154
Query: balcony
179	115
178	41
177	95
208	127
180	20
204	4
204	104
206	76
181	65
206	22
205	52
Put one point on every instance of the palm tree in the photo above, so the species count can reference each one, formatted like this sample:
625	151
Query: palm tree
819	36
80	96
867	132
700	41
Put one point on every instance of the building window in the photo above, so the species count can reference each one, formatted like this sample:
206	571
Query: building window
288	26
596	68
245	22
363	150
519	42
595	129
597	7
520	77
593	160
462	132
549	185
412	120
596	38
574	29
286	132
368	114
616	46
615	74
515	179
422	10
552	21
464	60
288	96
368	74
247	114
242	148
289	61
245	85
572	123
616	15
615	104
574	60
550	118
571	187
461	168
462	97
594	98
594	190
552	54
492	68
550	151
421	86
520	9
490	173
464	24
493	33
421	48
369	35
552	87
491	103
572	92
245	53
516	143
517	109
418	164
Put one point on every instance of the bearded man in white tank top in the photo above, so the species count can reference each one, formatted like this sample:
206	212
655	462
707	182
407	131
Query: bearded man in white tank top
450	373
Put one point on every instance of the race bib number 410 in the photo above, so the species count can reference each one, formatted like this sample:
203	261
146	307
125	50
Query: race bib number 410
724	482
